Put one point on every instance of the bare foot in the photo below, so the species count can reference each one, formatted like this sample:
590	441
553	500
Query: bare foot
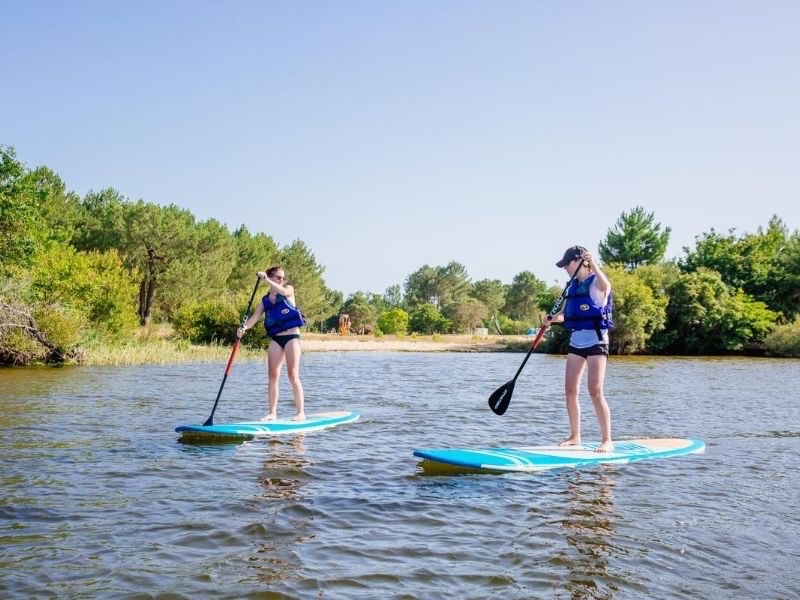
299	417
269	417
607	446
571	441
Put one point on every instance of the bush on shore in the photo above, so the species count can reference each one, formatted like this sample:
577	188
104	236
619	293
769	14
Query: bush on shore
784	340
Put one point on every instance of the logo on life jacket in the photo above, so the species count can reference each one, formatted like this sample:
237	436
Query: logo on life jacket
584	307
285	311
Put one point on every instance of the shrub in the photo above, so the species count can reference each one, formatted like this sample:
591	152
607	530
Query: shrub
784	340
207	321
214	322
393	321
94	285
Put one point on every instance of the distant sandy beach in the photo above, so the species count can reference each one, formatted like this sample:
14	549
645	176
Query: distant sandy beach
315	342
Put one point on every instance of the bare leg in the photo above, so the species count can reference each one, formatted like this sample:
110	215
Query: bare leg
274	362
597	375
293	352
572	381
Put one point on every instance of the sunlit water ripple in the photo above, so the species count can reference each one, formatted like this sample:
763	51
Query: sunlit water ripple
101	500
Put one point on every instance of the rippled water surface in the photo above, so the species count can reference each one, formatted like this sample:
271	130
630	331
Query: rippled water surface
99	499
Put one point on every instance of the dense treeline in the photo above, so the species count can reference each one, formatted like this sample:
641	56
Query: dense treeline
730	294
74	271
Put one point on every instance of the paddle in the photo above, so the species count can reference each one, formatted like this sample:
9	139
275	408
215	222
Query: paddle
501	397
210	420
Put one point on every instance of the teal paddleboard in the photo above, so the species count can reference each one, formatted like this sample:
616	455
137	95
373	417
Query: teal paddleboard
542	458
249	430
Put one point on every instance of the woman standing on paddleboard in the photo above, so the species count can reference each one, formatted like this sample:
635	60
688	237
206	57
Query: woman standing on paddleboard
586	313
282	320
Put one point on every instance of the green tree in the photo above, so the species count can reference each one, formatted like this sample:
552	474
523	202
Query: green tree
439	286
363	317
453	284
638	312
466	315
393	296
101	224
426	318
254	253
492	293
784	340
19	217
214	320
524	297
659	278
305	274
705	317
786	280
200	270
635	240
393	321
163	243
755	263
58	208
95	284
421	287
334	299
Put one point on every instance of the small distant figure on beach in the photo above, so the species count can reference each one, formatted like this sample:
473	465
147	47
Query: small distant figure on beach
282	320
344	324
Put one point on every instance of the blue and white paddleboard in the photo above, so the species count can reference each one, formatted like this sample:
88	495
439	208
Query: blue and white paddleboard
542	458
253	429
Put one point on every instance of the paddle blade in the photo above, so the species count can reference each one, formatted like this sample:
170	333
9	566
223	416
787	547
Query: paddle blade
499	400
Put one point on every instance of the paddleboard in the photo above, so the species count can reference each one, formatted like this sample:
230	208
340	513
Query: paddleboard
542	458
249	430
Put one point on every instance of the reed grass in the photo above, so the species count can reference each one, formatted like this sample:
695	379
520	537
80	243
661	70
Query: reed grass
161	351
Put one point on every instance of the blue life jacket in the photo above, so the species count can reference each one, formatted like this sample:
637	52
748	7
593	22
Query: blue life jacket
581	312
280	316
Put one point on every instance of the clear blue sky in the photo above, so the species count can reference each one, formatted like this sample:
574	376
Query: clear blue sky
387	135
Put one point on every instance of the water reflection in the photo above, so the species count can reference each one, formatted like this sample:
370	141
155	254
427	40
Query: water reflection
284	522
589	525
283	474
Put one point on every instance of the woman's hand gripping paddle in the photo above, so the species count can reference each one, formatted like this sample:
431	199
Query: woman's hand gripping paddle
501	397
210	420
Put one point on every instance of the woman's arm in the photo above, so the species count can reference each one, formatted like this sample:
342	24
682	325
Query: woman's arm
254	318
601	282
285	290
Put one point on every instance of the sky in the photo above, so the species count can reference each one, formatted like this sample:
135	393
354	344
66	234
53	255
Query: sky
389	135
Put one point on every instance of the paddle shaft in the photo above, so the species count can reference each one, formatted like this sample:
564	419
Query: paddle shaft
553	312
501	397
210	420
535	343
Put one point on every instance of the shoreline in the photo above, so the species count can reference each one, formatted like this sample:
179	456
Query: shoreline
320	342
166	351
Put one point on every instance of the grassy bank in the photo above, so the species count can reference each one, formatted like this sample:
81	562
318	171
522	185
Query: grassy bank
162	352
157	350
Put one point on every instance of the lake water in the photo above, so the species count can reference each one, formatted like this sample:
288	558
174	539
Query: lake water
99	499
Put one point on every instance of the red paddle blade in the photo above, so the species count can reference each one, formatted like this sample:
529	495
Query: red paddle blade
501	397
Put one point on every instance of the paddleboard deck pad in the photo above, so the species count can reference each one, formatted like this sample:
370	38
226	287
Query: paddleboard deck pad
250	430
542	458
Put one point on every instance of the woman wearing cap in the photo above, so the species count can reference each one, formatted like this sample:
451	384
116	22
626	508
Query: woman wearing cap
282	320
586	313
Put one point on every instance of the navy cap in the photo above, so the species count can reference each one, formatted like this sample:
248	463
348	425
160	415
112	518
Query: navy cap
570	254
